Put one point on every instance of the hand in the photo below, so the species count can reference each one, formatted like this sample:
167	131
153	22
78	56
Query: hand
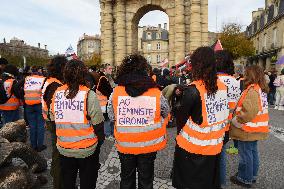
236	123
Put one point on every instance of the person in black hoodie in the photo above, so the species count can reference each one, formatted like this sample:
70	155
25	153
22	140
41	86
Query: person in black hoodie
140	113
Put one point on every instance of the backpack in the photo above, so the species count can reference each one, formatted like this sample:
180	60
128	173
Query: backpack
3	95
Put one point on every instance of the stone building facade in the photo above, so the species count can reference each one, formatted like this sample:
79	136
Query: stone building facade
88	45
188	26
154	43
18	47
267	33
213	37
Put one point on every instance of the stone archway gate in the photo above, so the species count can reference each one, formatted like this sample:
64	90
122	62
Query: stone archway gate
119	26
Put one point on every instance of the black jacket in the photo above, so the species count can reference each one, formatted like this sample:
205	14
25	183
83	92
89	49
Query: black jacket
104	86
190	106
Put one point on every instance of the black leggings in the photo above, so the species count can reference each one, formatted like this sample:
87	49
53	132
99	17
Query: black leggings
88	170
144	164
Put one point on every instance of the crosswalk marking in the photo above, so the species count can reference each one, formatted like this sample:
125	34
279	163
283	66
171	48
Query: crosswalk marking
278	132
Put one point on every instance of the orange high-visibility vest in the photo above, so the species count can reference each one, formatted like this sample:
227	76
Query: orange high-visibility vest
13	103
73	129
260	122
139	127
44	105
33	87
207	138
234	92
102	99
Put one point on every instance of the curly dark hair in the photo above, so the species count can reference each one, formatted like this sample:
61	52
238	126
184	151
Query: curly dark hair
204	68
134	63
56	66
74	75
11	69
224	62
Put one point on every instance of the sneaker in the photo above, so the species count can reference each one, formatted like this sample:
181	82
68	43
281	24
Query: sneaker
276	107
39	149
281	108
237	182
232	150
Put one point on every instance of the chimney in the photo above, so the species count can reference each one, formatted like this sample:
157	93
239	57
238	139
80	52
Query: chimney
165	26
160	26
45	47
38	45
4	41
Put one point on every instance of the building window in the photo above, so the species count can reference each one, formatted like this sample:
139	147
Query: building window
158	36
274	36
149	47
158	46
149	36
158	58
149	59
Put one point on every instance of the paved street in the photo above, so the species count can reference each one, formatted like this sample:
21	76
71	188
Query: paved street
271	171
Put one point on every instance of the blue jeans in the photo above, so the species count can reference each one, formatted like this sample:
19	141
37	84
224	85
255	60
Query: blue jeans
223	158
249	161
10	115
235	143
108	128
36	123
271	97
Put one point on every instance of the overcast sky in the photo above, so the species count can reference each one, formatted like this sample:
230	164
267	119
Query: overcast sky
59	23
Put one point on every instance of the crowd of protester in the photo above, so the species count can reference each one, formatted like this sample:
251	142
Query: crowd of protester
82	106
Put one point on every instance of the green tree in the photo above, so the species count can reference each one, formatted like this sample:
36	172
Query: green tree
31	61
235	41
94	60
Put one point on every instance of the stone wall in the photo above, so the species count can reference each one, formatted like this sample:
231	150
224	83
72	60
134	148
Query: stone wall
119	26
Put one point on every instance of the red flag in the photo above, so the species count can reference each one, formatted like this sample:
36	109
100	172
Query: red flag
164	63
218	46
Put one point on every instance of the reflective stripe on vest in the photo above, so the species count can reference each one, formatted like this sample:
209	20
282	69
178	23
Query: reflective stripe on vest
102	99
260	122
213	128
44	105
73	130
32	88
78	126
198	142
142	144
13	103
139	128
207	138
76	138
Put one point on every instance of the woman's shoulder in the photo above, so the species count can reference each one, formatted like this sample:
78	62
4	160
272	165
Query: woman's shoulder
191	92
